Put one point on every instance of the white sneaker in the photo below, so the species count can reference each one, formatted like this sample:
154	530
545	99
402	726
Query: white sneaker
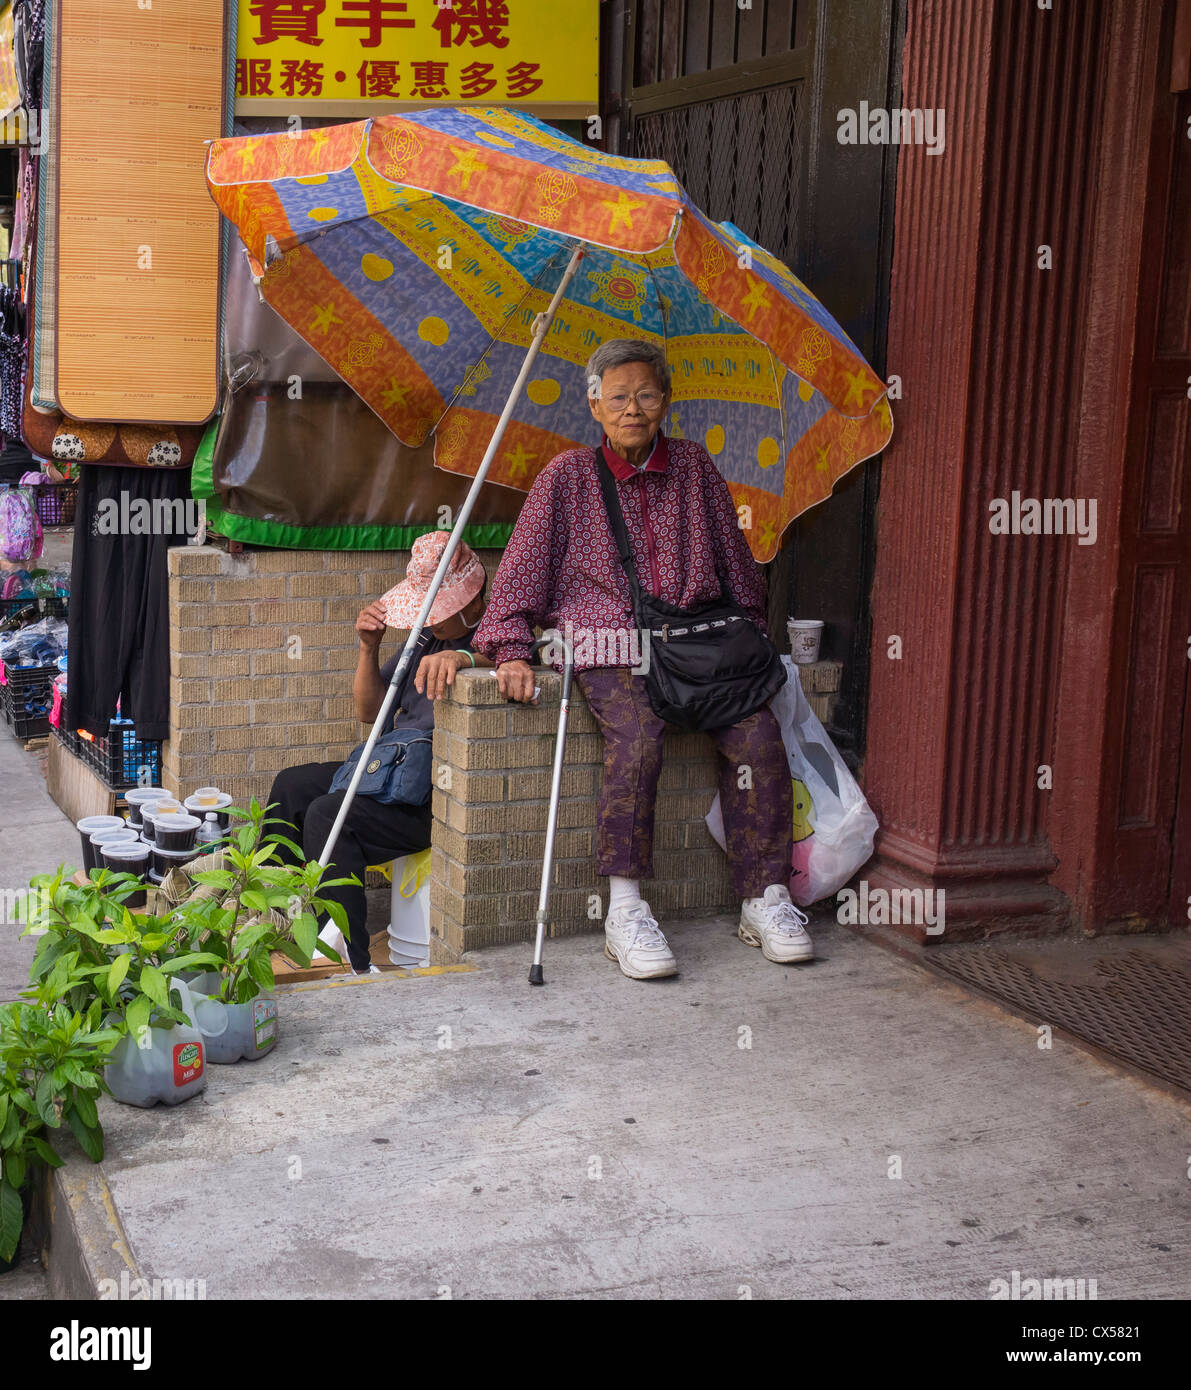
633	939
776	925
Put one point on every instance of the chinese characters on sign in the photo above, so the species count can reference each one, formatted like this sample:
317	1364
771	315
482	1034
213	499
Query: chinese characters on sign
323	53
424	81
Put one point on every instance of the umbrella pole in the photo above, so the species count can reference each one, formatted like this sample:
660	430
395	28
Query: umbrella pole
540	328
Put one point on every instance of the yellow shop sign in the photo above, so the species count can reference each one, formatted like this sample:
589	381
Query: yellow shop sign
353	57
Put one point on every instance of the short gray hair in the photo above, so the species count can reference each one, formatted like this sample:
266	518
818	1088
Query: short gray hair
619	352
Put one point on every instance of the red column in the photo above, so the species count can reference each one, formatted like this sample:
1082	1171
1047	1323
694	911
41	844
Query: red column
993	352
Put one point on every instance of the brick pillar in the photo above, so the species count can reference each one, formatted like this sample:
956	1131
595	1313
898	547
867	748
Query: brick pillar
493	763
262	652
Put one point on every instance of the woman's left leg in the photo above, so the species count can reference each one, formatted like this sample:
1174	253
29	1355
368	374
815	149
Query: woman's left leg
756	795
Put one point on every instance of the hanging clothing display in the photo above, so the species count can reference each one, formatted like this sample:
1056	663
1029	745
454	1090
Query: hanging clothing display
12	354
28	40
119	609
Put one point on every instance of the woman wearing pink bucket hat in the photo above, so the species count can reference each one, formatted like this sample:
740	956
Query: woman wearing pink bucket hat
374	833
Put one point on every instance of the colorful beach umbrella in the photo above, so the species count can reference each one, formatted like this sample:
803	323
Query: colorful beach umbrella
415	251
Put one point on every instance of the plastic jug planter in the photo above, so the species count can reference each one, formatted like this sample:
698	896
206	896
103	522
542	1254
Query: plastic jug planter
237	1032
232	1032
161	1065
242	911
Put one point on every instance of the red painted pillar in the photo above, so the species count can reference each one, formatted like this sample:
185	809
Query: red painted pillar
993	350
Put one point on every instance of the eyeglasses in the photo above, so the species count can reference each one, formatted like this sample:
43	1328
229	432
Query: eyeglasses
647	400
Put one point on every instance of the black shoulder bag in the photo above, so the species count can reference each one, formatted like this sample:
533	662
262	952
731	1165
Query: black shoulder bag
706	667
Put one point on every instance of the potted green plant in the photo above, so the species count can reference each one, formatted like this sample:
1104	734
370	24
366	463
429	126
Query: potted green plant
95	952
51	1070
256	905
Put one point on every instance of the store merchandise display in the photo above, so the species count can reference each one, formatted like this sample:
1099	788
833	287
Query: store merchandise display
29	658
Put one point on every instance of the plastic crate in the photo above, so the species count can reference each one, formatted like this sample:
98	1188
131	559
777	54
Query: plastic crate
55	503
120	757
26	695
69	740
39	608
9	606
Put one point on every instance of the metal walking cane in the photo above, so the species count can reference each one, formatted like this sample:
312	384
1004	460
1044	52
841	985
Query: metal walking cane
560	738
541	327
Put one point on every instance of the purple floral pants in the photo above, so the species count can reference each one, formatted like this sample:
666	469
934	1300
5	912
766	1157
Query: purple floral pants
758	818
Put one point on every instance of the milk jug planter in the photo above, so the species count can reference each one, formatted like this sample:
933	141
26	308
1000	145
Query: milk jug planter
245	909
165	1064
235	1032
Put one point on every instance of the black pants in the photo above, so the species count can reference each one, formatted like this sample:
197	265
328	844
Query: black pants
372	834
119	599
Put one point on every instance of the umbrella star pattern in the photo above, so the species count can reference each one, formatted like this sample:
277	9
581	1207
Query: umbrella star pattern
347	227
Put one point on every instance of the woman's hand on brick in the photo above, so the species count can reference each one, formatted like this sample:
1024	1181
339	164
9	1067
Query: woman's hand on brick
515	679
436	673
370	625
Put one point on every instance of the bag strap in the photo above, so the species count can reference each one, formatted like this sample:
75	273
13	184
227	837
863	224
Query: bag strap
425	637
620	535
615	516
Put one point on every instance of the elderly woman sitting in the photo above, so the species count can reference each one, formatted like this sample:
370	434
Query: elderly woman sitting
561	567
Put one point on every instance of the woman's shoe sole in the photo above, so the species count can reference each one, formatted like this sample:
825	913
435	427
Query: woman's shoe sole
754	939
656	975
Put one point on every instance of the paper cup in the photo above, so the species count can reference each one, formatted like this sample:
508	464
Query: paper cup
805	634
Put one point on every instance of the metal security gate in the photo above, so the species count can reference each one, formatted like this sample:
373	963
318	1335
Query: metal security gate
740	158
741	102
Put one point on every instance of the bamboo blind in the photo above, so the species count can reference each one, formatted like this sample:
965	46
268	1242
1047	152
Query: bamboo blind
138	235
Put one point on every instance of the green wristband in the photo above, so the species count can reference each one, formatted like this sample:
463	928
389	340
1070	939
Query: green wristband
464	652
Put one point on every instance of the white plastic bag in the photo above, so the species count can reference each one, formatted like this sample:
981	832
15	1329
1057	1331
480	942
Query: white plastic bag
833	824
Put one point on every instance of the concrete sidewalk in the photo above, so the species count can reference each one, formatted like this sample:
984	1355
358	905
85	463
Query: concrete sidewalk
35	837
736	1130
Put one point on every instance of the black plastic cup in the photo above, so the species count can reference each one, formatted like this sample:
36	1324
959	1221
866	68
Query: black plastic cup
113	837
128	857
166	859
175	831
136	797
87	827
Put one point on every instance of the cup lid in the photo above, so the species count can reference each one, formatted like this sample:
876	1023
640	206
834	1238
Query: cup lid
176	820
143	794
175	853
90	824
125	849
